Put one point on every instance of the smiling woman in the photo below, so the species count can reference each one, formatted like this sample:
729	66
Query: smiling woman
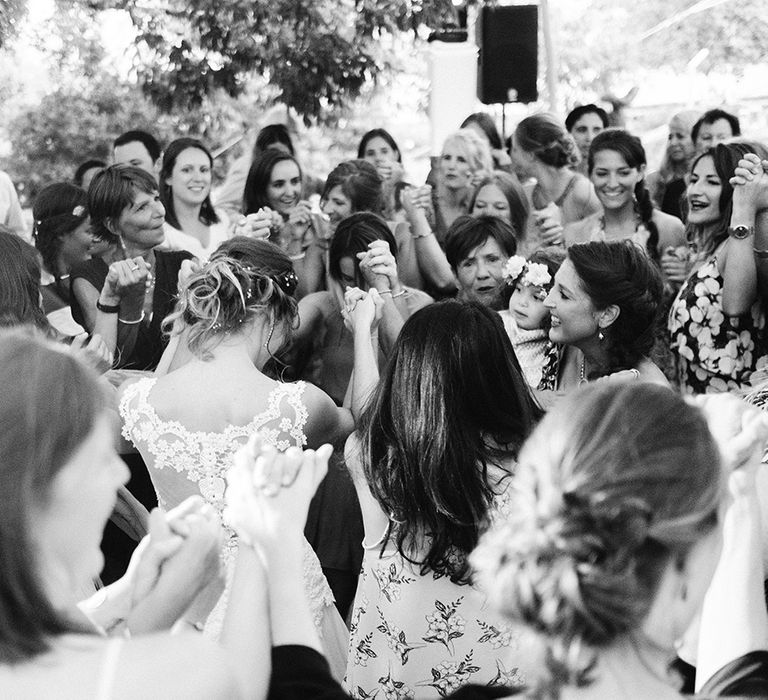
185	191
132	281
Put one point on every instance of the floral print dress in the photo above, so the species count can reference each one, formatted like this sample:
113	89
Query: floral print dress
713	353
423	636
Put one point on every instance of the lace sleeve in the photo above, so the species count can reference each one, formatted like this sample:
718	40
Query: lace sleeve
134	396
287	408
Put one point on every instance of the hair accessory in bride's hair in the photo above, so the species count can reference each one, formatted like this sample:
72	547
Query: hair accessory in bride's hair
288	282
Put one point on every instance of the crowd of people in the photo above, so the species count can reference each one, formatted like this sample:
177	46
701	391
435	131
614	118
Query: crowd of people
500	434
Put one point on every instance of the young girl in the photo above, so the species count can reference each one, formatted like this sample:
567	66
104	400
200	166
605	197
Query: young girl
527	320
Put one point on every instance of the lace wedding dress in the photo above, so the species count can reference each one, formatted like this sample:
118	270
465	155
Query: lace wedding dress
183	463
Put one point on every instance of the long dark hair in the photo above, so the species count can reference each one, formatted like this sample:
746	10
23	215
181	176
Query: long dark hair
725	157
259	175
378	133
352	236
630	148
207	214
19	283
619	273
451	403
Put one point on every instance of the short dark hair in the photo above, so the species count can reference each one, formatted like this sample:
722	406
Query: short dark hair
207	213
150	142
49	405
352	236
468	232
621	273
578	112
381	134
259	175
83	168
713	115
360	182
451	405
111	191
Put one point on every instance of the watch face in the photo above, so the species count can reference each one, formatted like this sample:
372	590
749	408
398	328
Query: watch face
740	231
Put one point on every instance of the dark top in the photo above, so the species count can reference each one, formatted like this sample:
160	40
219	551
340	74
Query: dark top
673	196
149	343
301	673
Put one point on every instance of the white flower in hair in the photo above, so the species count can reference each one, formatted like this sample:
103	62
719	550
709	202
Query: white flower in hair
537	275
515	265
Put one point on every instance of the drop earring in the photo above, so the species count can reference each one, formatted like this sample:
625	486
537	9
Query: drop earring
600	336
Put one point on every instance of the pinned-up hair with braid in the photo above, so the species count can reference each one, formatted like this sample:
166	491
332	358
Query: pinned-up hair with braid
619	273
630	148
617	481
244	278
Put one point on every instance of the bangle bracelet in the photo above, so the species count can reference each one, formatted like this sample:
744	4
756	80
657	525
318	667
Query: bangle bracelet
107	308
132	323
401	293
416	236
299	256
762	254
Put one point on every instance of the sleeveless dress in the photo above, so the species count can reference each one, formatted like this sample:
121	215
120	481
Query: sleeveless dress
419	635
713	353
182	463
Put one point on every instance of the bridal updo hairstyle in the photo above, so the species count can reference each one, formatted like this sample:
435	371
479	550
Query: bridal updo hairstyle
58	210
243	279
546	138
616	482
620	273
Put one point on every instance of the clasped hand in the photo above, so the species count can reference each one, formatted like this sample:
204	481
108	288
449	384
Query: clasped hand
750	182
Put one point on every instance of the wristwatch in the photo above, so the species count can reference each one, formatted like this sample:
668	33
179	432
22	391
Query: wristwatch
741	232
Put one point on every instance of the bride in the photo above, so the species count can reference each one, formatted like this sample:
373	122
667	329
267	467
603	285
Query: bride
187	424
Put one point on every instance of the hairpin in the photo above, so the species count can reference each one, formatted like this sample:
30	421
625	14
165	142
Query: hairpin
79	210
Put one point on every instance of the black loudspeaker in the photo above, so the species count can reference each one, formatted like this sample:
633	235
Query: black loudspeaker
508	60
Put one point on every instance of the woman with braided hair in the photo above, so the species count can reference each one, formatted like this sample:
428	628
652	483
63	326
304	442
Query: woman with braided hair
232	316
616	168
604	308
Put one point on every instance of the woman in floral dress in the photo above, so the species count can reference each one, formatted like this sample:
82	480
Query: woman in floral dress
431	463
716	322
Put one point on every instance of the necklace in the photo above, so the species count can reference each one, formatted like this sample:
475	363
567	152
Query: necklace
583	371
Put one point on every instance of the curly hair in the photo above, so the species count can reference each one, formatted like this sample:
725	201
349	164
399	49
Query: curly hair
617	481
244	278
620	273
476	149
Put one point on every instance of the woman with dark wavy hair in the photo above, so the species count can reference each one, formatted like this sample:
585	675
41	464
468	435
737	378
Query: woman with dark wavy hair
604	308
717	320
431	462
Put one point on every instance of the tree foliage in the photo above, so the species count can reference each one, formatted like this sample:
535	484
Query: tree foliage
317	53
11	13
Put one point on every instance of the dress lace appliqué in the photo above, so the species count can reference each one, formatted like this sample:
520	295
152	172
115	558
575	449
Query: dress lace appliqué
205	457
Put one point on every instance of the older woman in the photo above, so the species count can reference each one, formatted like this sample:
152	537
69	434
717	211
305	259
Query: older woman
604	308
140	289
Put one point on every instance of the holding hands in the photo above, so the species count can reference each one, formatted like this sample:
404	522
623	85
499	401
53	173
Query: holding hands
362	309
750	182
125	279
379	267
548	221
259	225
416	198
675	263
268	493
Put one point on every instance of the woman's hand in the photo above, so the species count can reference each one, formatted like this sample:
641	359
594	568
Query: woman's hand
379	267
548	221
390	171
125	279
675	264
259	225
362	309
93	351
750	183
268	493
